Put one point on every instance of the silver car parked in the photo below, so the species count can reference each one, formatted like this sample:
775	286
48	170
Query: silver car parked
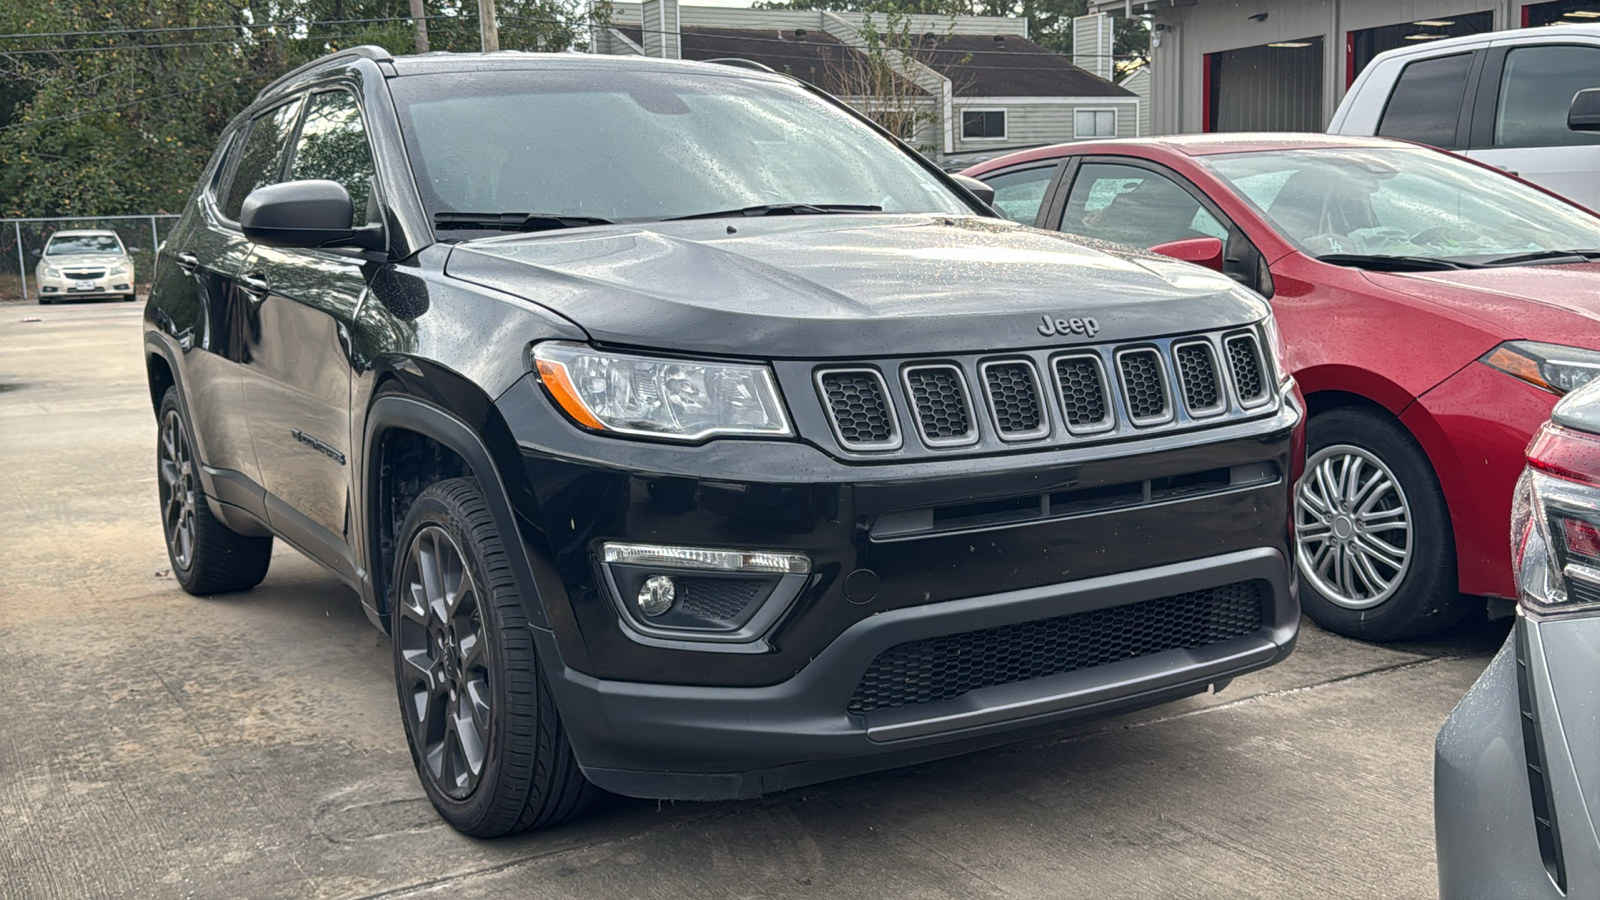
1516	775
84	264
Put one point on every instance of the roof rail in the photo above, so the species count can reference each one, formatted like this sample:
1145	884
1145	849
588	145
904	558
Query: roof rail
742	64
365	51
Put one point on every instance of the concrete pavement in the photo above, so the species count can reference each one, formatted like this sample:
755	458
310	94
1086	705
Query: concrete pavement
158	745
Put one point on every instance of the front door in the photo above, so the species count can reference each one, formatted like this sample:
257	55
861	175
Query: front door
297	383
1526	132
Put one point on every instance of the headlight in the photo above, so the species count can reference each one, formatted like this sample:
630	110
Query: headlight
1555	524
655	397
1553	367
117	270
1280	353
52	273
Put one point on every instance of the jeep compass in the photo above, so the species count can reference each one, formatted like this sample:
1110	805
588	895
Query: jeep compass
693	438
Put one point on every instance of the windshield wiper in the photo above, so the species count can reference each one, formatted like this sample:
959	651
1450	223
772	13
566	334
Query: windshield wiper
513	221
1542	256
1384	263
782	209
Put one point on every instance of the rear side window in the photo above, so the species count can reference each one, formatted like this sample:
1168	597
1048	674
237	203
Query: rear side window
1132	205
1017	195
262	160
1536	88
1426	103
333	146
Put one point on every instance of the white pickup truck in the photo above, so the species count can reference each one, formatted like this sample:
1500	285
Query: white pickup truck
1520	100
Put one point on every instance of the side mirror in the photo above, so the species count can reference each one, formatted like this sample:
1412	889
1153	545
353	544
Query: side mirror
1584	113
1202	251
135	249
305	214
979	189
37	252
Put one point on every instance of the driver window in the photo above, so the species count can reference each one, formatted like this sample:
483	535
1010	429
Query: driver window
1535	91
1133	205
333	146
1017	195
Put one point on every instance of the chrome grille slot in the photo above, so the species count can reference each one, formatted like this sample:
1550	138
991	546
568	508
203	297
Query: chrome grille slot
859	411
1144	386
1085	398
1015	400
1244	362
939	400
1199	379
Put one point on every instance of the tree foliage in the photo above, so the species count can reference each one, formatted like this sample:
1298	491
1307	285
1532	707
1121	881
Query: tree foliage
116	105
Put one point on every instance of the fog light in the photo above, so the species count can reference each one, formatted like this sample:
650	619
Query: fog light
657	594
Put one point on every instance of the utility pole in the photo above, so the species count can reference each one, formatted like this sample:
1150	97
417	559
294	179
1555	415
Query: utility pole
419	17
487	27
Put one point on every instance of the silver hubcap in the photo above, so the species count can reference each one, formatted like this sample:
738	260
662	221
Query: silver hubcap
1352	527
175	465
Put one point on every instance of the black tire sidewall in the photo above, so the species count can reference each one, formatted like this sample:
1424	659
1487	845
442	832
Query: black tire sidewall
495	786
1428	600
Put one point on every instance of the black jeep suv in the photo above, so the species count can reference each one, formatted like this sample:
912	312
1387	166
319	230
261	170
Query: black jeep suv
692	438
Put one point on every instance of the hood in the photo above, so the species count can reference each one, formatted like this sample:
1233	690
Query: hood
83	260
850	286
1557	303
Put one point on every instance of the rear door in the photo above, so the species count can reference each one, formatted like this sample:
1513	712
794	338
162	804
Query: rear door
297	381
1021	192
1519	122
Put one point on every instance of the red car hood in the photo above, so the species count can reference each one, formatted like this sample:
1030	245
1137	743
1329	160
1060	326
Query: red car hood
1536	302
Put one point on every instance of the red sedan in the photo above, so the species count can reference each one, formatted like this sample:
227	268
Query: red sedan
1434	309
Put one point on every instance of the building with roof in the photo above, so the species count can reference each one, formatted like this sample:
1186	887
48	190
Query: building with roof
1284	65
978	85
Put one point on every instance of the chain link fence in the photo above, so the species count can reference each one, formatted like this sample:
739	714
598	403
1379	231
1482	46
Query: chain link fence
20	239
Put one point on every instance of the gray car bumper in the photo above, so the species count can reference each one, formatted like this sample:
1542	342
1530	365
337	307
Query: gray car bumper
1511	807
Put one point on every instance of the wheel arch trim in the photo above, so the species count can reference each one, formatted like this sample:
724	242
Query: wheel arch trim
396	411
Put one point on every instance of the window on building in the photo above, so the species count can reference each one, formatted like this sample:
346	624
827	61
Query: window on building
983	124
1134	205
1536	88
1426	102
1093	123
1366	43
1017	195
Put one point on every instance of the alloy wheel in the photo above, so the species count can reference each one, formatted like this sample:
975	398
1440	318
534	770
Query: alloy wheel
444	669
175	465
1352	527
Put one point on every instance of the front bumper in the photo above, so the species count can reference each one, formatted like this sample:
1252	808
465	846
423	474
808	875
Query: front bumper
85	288
1515	777
703	743
958	550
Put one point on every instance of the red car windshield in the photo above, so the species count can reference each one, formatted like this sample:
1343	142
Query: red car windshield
1403	202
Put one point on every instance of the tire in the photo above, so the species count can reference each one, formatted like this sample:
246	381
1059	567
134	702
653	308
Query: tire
484	732
129	298
1383	567
46	301
207	556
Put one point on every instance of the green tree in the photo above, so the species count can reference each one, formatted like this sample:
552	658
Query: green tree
117	104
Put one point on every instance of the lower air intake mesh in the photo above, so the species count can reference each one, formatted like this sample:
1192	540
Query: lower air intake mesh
944	667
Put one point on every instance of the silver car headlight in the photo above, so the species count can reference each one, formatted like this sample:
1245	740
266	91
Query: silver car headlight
117	270
675	399
52	272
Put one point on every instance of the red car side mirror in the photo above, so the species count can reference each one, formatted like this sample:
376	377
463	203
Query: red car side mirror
1204	251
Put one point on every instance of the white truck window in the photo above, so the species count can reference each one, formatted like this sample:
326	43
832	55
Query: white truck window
1426	102
1535	90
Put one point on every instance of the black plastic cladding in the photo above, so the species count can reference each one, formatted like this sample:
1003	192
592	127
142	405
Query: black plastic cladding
944	667
1100	392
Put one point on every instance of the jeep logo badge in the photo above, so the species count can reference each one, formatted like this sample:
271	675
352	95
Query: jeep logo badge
1086	326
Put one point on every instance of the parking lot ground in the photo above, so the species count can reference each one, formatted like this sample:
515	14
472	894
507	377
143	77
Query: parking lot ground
158	745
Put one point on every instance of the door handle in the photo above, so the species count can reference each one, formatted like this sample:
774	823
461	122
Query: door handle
254	285
189	263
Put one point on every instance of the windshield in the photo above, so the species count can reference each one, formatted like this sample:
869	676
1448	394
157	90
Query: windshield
634	146
67	244
1402	201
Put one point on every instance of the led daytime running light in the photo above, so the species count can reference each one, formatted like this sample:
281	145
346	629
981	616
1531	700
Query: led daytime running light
707	559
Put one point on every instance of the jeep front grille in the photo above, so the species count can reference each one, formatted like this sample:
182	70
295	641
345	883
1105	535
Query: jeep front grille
858	404
1197	374
1015	399
941	668
939	399
1244	359
1084	397
1041	397
1144	386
